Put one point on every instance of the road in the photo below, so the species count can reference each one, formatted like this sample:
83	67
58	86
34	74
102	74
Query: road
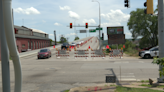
58	74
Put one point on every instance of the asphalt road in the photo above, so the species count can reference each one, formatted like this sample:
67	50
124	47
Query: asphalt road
58	74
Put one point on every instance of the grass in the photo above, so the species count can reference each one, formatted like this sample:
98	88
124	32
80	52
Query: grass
127	89
112	85
147	85
66	91
144	81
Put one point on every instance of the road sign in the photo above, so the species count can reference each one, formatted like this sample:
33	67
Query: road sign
115	30
83	31
99	28
92	30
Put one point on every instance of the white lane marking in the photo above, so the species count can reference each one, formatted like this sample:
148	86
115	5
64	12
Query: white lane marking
127	79
120	62
140	61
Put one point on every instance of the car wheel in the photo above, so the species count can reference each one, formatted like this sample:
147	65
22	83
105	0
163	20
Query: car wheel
147	56
38	58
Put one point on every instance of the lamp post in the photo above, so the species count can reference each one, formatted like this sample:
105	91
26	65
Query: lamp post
75	28
99	22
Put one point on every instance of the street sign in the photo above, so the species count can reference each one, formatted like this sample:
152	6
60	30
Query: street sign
99	28
83	31
115	30
92	30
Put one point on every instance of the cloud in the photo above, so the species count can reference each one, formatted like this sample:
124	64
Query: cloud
115	17
64	8
27	11
129	34
110	24
71	34
73	15
51	34
90	21
57	24
43	21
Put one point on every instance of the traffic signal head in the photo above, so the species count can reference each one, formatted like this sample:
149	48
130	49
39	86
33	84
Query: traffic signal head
149	5
86	25
70	25
127	3
102	36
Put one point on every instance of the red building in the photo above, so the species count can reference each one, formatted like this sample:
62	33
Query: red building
30	39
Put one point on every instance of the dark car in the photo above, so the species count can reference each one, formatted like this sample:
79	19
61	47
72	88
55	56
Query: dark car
65	45
44	53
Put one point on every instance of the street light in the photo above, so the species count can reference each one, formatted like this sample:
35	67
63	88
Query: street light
99	21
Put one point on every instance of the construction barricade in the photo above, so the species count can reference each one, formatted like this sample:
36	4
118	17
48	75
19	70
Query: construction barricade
98	53
81	53
62	53
116	53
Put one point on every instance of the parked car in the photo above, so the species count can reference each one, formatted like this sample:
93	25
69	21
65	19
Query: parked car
44	53
65	45
149	53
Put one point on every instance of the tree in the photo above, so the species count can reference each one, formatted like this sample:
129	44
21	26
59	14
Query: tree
63	39
145	25
76	38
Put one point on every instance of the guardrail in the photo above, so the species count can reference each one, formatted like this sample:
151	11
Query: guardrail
51	48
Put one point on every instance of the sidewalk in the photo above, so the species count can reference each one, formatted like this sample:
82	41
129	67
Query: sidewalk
111	87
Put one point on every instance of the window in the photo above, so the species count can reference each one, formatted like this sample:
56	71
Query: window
31	45
23	45
28	45
37	45
34	44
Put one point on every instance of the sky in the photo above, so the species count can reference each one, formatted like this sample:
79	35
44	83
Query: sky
50	15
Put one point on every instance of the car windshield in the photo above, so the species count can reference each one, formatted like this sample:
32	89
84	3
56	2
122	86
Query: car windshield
152	48
65	43
44	50
73	43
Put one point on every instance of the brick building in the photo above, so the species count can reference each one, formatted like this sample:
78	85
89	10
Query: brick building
30	39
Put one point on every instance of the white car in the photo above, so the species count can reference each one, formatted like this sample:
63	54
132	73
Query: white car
150	53
78	43
73	44
82	41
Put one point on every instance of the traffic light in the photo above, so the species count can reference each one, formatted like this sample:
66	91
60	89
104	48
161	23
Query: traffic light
127	3
102	36
70	25
86	25
149	5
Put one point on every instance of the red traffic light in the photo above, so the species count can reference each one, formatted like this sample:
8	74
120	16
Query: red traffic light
86	25
70	25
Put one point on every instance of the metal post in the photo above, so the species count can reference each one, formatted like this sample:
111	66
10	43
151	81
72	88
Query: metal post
55	36
161	33
5	56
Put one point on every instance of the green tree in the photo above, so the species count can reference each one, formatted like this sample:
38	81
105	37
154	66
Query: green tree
76	38
145	25
63	39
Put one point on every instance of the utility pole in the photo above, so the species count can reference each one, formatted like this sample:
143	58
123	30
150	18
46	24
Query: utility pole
161	33
55	36
4	54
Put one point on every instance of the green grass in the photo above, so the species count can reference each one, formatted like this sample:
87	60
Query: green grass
66	91
147	85
112	85
144	81
127	89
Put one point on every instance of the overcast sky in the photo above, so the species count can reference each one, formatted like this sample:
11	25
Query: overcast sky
50	15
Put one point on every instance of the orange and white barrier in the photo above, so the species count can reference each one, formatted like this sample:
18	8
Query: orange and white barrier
116	53
81	53
62	53
98	53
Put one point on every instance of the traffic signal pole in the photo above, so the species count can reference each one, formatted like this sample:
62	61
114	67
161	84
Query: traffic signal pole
161	33
4	54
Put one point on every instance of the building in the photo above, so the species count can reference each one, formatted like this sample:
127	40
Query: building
30	39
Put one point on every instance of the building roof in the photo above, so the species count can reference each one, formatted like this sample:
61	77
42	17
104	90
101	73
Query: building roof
38	31
29	36
19	27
